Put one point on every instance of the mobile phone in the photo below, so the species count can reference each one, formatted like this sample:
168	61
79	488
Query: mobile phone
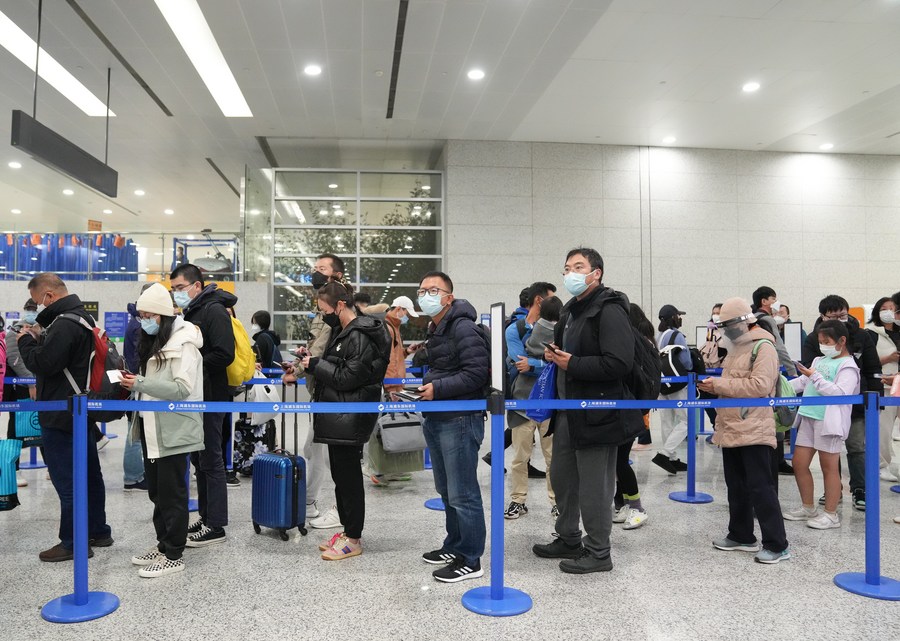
551	347
285	365
407	395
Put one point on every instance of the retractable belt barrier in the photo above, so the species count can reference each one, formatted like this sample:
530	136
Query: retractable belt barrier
83	605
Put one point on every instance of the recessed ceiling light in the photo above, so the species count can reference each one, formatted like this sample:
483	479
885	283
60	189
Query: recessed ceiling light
323	212
23	47
168	212
475	74
750	87
826	146
332	186
668	140
107	211
338	212
312	70
191	29
139	192
417	207
68	192
15	165
254	212
15	211
336	206
426	187
190	237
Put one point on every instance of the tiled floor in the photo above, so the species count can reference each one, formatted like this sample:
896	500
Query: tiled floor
668	582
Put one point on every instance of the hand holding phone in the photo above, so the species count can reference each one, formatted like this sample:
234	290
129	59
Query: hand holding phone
553	348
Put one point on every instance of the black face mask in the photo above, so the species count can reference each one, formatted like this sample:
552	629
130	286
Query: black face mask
318	279
678	323
332	320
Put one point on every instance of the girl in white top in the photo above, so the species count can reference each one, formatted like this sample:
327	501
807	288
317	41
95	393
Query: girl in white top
884	328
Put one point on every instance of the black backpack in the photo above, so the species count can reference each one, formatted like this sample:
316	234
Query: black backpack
670	363
643	379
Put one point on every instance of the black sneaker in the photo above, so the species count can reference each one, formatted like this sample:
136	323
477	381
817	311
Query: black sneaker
195	527
206	536
439	557
140	486
859	499
785	469
458	571
534	473
679	466
515	510
586	563
487	459
101	543
231	480
840	500
557	549
663	461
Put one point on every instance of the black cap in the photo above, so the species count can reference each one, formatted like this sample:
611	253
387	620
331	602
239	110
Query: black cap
30	305
668	311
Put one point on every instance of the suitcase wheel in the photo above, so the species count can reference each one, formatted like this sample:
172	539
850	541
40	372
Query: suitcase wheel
256	527
302	530
283	535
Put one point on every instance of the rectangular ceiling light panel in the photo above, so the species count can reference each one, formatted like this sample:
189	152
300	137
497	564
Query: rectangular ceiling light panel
23	47
191	29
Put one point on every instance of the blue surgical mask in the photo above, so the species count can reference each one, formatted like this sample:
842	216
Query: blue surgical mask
182	299
30	318
404	320
150	326
431	305
575	283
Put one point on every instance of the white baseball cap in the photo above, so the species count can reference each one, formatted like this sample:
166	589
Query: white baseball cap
405	303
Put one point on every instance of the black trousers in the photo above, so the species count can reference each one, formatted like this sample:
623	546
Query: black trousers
346	472
751	490
626	481
167	485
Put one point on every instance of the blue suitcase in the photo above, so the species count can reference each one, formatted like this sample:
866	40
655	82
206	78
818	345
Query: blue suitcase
279	488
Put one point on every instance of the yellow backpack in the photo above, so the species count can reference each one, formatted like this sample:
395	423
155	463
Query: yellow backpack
243	366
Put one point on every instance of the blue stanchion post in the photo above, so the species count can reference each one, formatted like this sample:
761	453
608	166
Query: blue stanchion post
193	506
427	459
789	455
81	605
870	583
691	495
32	463
497	600
109	435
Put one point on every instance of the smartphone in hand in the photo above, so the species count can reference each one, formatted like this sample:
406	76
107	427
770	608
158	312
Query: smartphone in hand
553	348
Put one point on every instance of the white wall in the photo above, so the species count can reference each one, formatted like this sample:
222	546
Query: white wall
689	227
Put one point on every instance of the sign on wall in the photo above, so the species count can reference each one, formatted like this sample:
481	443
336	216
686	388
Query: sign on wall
115	323
92	307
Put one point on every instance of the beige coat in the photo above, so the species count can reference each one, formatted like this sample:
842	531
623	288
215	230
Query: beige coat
740	426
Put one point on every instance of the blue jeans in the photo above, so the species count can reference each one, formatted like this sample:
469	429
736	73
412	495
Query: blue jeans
132	460
58	457
454	445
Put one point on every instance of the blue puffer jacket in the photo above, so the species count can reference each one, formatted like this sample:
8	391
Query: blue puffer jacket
458	358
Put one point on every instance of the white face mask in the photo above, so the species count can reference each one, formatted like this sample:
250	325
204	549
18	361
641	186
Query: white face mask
716	318
780	320
775	307
254	328
829	351
886	316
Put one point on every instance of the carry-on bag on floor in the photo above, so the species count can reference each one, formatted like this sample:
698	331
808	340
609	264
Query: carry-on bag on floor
251	440
279	487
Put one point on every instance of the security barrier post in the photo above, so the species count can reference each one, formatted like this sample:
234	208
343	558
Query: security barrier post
691	495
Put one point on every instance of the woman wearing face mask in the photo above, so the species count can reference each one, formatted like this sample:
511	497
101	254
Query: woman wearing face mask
351	370
823	428
265	341
885	333
171	369
673	421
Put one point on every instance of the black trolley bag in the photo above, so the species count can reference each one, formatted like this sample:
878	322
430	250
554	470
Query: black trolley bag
279	486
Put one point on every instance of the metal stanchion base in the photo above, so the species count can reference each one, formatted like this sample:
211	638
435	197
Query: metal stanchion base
697	497
855	582
26	465
894	488
479	601
64	609
111	435
435	504
193	506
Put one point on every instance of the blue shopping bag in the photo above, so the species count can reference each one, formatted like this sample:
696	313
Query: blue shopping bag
544	390
9	452
28	429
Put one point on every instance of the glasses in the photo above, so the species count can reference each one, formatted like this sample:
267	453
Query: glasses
434	291
840	317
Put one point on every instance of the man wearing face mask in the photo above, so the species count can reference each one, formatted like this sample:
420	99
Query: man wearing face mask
593	349
747	435
205	306
458	367
64	346
16	367
862	348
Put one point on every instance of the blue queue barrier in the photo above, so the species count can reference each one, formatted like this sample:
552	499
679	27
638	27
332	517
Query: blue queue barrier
871	583
82	604
690	495
32	463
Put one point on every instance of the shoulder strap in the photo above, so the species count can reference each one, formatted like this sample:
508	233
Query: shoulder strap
76	319
672	337
521	328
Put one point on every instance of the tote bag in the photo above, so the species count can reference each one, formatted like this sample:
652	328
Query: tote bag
544	390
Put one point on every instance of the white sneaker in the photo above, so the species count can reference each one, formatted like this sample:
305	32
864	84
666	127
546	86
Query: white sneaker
802	513
824	521
636	518
621	514
20	480
147	558
327	521
312	510
161	567
886	475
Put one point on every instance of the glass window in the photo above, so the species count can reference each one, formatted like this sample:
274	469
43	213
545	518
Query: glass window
319	184
297	269
397	270
292	328
401	186
400	241
315	212
315	241
400	214
294	298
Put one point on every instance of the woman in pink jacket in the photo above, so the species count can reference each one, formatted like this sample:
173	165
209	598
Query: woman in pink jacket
823	428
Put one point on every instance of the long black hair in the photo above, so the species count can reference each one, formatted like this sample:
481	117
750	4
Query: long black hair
640	321
151	345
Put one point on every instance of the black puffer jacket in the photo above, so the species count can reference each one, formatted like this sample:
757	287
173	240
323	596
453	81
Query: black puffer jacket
351	371
65	344
265	342
458	358
208	312
597	332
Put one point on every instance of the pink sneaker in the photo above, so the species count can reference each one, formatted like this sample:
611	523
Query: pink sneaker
343	548
330	542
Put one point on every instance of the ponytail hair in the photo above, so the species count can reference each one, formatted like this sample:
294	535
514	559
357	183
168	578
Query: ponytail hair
332	292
